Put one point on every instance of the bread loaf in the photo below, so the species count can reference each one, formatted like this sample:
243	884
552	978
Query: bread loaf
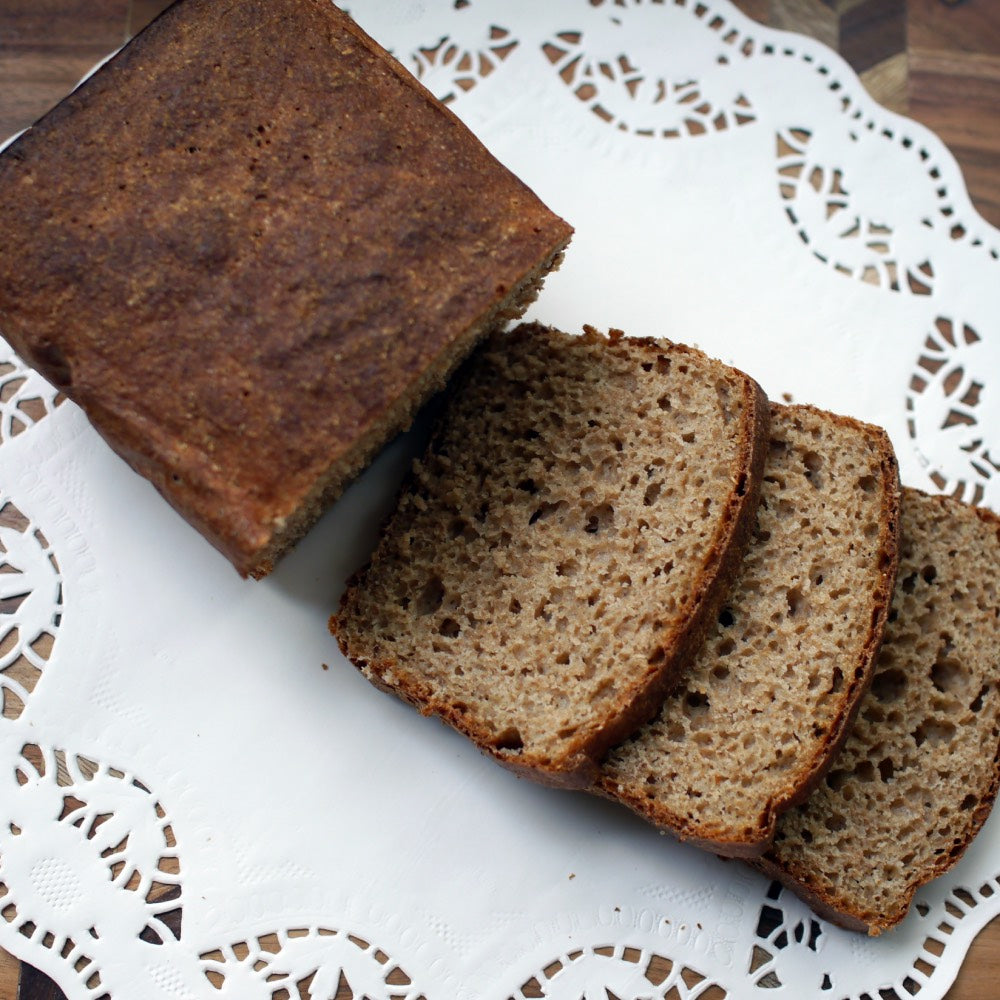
558	552
249	247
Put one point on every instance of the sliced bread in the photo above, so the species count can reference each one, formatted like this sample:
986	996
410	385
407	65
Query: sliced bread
919	772
559	551
770	697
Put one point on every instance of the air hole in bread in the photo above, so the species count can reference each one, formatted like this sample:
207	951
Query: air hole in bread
813	462
545	511
934	730
835	822
430	597
696	703
836	779
509	739
599	518
864	771
793	597
888	685
450	628
948	674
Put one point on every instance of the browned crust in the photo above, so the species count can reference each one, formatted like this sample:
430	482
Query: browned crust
825	900
247	454
579	768
721	841
820	904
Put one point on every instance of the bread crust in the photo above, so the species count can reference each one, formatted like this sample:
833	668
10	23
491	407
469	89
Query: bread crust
827	902
579	767
720	840
250	246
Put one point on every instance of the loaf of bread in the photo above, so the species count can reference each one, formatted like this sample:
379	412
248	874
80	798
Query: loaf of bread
558	553
919	772
249	247
769	700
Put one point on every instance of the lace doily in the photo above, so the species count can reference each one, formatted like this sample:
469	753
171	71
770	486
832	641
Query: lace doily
201	799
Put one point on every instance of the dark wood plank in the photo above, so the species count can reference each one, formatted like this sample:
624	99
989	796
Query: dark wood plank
45	48
871	31
954	88
971	26
55	23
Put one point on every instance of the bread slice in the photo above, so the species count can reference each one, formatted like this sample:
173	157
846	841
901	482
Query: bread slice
554	560
250	246
919	772
769	699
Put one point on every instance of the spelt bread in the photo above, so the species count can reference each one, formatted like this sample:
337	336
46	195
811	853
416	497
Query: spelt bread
919	772
771	695
558	552
249	247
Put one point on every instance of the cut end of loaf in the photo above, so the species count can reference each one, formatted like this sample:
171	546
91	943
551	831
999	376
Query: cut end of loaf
290	529
554	553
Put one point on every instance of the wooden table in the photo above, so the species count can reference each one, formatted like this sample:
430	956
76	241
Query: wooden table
935	60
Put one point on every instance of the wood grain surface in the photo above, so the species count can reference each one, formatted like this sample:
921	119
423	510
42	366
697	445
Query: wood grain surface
936	60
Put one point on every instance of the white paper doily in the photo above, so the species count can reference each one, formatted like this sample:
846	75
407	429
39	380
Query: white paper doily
183	744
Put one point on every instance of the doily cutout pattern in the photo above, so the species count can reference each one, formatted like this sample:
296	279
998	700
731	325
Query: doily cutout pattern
784	928
25	397
634	100
451	67
849	238
306	962
953	408
99	834
82	840
31	593
617	971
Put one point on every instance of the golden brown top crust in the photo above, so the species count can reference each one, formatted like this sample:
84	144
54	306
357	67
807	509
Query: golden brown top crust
242	240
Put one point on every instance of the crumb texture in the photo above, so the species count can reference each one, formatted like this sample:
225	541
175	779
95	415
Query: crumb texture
554	543
771	692
918	774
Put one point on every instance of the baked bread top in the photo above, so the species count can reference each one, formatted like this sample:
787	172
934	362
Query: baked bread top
770	697
249	247
556	555
919	772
